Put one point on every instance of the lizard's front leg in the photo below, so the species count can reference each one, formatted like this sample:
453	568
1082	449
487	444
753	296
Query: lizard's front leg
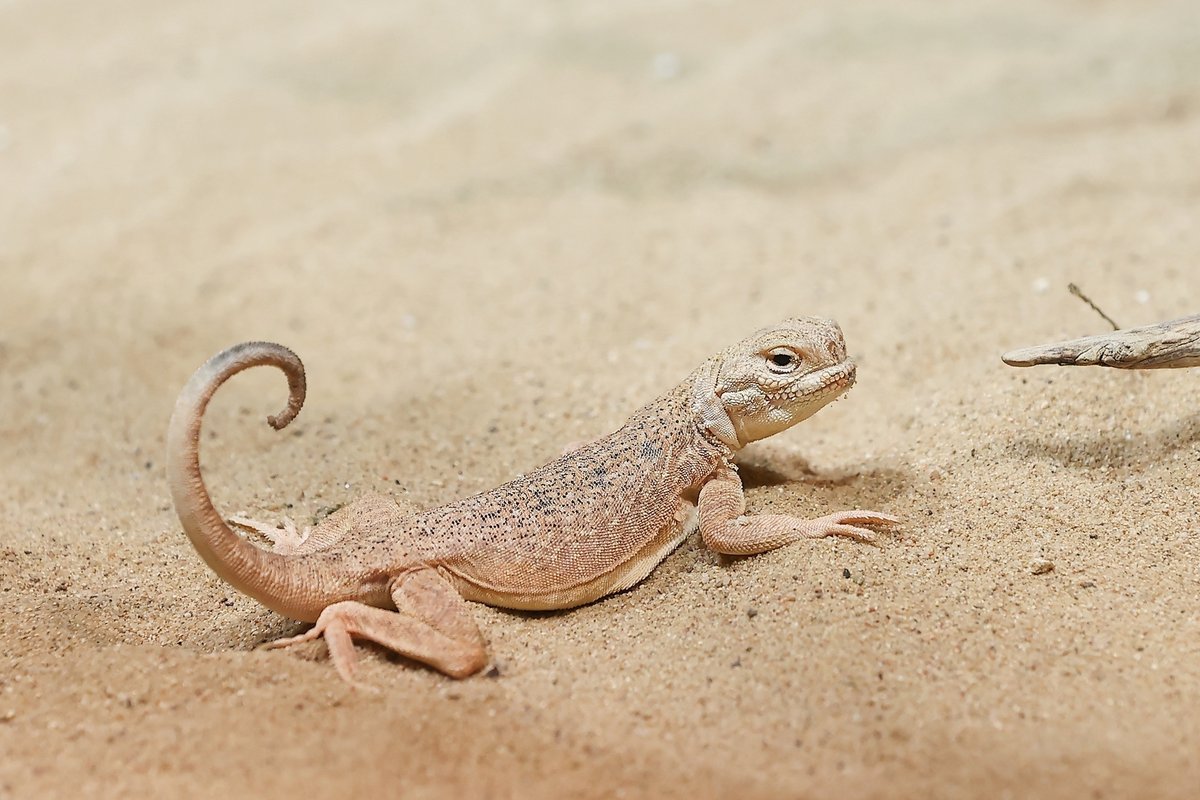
725	527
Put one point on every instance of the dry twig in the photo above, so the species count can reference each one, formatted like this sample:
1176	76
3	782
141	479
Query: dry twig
1175	343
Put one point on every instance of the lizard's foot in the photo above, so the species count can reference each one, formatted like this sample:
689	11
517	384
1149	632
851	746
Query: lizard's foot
409	636
332	624
285	540
848	524
726	528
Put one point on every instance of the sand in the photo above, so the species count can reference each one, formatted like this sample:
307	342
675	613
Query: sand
490	229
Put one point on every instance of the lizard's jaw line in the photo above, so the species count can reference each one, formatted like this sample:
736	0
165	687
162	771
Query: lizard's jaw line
841	375
835	380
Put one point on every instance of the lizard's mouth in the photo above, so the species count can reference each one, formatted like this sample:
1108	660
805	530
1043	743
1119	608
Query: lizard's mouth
831	380
820	388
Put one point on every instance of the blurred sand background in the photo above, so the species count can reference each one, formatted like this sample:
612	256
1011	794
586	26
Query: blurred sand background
493	228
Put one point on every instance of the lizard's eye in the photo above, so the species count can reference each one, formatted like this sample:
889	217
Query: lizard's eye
782	360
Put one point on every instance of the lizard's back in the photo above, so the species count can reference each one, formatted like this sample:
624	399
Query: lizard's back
588	524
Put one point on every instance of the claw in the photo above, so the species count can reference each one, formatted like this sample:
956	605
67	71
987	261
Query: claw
849	524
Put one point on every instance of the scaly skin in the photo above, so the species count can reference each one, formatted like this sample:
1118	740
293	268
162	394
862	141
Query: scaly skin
595	521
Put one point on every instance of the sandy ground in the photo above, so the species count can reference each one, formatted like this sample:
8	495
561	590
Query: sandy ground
490	229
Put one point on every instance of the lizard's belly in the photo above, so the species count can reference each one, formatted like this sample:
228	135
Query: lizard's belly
562	592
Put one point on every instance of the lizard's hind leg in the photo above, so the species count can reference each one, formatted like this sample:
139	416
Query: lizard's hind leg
285	539
432	624
367	512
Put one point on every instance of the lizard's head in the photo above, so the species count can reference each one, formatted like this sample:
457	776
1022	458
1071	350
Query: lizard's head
769	382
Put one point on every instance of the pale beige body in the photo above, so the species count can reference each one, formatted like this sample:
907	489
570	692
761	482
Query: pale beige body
593	522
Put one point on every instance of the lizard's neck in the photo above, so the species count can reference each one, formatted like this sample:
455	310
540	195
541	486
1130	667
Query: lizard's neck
696	421
704	407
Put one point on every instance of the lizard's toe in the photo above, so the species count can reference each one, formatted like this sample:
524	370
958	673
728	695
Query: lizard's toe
851	532
285	540
873	518
311	635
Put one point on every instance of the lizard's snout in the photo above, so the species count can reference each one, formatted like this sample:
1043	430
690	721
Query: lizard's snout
836	347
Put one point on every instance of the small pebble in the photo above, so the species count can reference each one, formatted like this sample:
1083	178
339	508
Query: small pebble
1040	566
845	573
665	66
752	612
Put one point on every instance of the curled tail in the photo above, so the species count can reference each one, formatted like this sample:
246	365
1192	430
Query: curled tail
278	582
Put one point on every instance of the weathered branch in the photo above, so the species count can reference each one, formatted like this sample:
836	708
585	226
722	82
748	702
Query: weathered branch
1165	345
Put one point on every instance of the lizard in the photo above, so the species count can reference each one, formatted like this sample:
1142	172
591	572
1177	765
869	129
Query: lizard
593	522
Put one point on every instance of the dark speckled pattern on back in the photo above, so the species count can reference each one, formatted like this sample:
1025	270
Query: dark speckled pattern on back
581	515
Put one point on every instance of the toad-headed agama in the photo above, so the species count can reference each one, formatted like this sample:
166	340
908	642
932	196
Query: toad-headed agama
590	523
